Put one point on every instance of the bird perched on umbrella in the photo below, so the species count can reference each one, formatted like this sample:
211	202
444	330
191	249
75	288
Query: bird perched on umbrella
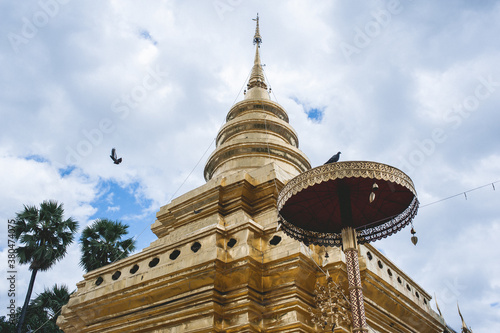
334	158
113	157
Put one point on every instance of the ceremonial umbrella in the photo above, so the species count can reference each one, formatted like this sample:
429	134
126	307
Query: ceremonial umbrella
346	204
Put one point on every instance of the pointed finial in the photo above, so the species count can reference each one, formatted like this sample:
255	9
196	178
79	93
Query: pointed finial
257	87
437	306
465	329
257	39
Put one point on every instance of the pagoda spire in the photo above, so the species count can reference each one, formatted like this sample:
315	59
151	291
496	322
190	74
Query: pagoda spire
257	87
257	39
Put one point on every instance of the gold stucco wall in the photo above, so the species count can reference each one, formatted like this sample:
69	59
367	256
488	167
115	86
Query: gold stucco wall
237	280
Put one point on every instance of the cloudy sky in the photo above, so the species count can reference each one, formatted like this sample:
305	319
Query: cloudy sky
413	84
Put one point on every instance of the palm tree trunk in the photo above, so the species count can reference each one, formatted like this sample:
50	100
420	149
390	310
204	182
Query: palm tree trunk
26	301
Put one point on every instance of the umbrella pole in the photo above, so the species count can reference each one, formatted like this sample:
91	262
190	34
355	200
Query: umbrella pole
350	245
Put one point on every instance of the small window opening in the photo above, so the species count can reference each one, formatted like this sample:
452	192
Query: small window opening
174	254
99	281
116	275
195	247
154	262
275	241
134	269
231	243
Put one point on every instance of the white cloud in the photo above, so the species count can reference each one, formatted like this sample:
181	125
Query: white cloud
29	182
113	208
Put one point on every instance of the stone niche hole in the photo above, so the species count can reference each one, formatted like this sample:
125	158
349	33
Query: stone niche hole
99	280
174	254
154	262
275	241
369	255
116	275
134	269
231	242
195	247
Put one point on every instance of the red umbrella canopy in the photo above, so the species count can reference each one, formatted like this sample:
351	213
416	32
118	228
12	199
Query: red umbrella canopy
373	198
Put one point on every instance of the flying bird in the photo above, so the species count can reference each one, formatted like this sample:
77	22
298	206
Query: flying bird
113	157
334	158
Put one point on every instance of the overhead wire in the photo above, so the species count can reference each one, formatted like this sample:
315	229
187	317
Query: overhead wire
437	201
211	143
266	130
308	249
194	168
270	85
462	193
173	195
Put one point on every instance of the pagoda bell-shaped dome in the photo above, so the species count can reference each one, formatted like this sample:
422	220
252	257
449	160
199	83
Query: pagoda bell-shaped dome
256	132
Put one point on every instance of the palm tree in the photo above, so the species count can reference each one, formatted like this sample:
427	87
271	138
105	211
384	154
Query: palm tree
52	300
37	320
44	236
102	244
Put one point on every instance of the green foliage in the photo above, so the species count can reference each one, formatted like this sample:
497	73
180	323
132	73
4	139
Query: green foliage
36	318
102	244
5	324
52	300
44	235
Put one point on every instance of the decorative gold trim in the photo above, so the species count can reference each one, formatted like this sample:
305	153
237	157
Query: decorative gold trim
355	291
373	233
332	308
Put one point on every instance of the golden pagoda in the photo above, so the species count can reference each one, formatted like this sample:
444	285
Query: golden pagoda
221	264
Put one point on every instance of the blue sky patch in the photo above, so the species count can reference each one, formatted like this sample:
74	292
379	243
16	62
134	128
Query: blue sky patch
124	204
313	113
117	202
316	115
66	171
37	158
147	36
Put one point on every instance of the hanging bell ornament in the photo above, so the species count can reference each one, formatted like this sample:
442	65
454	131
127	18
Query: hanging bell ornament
325	261
372	197
374	189
414	239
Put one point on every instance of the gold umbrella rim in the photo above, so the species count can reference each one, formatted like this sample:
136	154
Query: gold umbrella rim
340	170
